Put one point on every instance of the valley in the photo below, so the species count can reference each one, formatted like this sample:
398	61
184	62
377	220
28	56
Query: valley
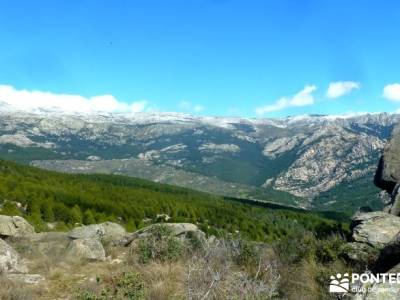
295	161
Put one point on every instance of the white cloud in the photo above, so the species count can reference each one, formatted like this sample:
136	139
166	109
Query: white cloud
187	106
392	92
341	88
31	100
302	98
140	106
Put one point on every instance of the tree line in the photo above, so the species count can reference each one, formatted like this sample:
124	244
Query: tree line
59	201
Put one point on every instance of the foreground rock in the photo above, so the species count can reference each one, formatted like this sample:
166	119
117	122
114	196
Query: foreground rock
178	230
360	253
388	173
376	229
86	242
106	232
381	230
381	291
389	257
387	176
14	226
90	249
10	261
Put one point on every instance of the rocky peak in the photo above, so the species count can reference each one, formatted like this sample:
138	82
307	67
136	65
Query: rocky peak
387	176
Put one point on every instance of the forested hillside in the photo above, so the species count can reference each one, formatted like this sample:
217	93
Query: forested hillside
308	161
63	200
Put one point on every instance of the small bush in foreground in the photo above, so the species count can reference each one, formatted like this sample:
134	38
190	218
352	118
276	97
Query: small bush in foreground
129	286
246	253
306	264
160	245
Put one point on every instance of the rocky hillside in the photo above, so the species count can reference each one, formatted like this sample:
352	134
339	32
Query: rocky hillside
99	261
161	261
375	239
305	159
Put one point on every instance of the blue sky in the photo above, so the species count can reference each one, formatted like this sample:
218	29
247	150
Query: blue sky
268	58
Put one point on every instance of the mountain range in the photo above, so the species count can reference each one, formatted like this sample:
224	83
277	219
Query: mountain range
313	162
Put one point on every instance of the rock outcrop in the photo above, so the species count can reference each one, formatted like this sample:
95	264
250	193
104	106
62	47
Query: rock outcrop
14	227
86	242
380	230
376	229
380	291
76	256
91	249
10	261
360	253
387	176
106	232
178	230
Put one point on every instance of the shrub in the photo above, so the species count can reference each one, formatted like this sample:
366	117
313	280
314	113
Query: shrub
36	220
88	295
61	226
330	249
306	264
10	209
246	253
131	286
144	251
296	247
195	242
160	245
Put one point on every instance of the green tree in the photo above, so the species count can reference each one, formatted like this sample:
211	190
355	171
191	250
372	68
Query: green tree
47	211
88	217
36	220
75	215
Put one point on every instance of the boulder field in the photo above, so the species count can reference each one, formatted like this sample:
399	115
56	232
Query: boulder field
81	243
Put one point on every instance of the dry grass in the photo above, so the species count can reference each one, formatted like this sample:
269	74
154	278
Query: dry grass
308	280
164	280
161	280
65	279
214	273
211	272
16	291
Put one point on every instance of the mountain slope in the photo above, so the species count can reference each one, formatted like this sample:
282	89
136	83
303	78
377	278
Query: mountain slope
303	156
171	175
45	197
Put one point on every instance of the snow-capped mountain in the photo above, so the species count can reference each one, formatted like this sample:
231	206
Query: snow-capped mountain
312	158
